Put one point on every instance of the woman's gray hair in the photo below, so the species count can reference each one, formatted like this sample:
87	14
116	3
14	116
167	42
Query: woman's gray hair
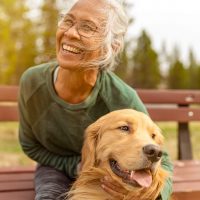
116	27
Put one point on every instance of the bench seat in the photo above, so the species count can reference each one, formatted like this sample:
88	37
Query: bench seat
180	106
186	180
17	183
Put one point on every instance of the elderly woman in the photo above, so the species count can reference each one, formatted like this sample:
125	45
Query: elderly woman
59	100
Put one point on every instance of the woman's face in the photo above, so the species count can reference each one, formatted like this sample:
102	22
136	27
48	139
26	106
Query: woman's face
78	37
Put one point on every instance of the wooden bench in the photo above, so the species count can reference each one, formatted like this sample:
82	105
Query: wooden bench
175	105
17	183
8	103
163	105
186	180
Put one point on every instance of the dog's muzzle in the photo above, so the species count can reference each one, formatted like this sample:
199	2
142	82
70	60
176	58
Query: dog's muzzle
136	178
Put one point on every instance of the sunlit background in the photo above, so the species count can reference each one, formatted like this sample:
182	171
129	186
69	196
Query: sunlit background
161	44
161	51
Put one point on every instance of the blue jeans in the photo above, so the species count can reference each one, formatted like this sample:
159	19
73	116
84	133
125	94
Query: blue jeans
51	184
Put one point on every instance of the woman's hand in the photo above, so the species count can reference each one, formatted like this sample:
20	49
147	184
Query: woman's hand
113	188
79	168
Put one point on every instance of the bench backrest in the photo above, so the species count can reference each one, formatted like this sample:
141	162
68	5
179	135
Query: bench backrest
8	103
181	106
172	105
163	105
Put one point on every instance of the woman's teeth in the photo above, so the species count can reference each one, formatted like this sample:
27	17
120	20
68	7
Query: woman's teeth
71	49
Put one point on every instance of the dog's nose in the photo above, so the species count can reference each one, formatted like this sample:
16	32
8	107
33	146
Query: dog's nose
152	152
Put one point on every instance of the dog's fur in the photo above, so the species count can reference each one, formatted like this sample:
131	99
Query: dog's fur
105	139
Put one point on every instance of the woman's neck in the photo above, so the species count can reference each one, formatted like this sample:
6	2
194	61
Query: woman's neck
74	86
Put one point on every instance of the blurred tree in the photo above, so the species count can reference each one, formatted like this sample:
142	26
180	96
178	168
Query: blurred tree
17	40
124	61
164	65
146	72
122	66
198	74
25	42
177	76
47	26
193	72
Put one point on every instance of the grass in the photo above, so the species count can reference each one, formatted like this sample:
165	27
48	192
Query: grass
12	155
10	150
169	131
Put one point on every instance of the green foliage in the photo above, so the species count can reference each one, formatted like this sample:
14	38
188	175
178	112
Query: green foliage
146	72
178	76
26	41
193	72
17	40
122	67
198	74
47	25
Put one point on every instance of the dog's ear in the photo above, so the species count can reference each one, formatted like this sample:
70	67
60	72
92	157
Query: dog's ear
89	145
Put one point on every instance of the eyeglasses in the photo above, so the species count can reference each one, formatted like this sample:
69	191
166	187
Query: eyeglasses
85	28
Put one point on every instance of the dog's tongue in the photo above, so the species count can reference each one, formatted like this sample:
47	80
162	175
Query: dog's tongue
143	178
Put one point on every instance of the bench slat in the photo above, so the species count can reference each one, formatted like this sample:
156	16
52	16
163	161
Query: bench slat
16	186
8	113
186	176
8	93
186	163
16	177
187	196
187	186
187	171
19	195
174	114
169	96
17	170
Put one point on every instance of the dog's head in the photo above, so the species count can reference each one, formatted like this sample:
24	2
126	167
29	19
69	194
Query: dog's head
126	142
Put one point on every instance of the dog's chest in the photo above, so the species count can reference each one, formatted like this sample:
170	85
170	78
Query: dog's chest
89	192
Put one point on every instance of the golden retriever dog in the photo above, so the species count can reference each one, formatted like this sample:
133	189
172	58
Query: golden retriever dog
126	145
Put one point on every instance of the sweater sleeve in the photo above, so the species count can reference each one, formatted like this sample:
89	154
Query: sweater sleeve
167	165
36	151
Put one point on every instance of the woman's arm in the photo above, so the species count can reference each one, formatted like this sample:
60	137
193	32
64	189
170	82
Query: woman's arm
168	166
37	151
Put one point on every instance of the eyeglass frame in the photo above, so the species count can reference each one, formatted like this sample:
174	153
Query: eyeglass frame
78	25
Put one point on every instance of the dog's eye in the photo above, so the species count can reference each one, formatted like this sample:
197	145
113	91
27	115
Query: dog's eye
153	135
124	128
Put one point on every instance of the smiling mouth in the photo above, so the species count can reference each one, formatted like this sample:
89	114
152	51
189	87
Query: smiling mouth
70	49
136	178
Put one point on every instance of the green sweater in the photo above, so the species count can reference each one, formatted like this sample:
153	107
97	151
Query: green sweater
51	130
